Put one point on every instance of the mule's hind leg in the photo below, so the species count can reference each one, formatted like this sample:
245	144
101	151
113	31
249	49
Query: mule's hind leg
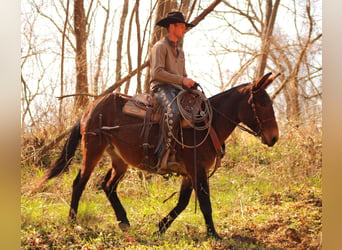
92	152
110	184
183	201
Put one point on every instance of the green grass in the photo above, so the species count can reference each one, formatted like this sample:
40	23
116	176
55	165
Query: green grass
264	198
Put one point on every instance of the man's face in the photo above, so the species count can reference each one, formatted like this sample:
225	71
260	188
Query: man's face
178	30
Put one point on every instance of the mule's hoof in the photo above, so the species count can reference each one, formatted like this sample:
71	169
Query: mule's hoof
124	226
72	220
214	236
157	234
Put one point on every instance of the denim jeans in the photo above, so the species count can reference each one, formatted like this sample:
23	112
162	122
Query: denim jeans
165	94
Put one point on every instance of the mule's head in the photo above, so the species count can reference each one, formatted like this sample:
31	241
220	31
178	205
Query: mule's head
257	112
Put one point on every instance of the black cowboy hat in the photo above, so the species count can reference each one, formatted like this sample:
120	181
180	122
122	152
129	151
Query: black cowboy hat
173	17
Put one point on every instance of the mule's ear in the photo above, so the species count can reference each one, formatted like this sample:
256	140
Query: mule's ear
270	80
261	81
265	81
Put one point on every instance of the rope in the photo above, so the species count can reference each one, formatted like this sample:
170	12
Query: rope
190	117
205	116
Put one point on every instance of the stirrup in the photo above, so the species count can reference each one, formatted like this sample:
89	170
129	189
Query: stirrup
163	164
167	166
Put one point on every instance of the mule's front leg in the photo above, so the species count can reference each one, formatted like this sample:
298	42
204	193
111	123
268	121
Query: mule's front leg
183	201
203	195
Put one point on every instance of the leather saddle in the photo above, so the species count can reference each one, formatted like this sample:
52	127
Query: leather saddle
146	107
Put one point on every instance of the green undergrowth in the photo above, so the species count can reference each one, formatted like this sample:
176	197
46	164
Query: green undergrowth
262	198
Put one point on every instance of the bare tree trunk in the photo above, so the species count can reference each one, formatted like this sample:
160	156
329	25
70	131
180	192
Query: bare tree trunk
129	57
80	23
60	111
163	7
99	60
137	21
120	40
267	30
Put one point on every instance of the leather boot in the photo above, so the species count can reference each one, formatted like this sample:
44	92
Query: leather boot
169	163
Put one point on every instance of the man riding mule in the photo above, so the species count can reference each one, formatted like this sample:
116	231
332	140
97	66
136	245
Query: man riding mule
167	77
104	126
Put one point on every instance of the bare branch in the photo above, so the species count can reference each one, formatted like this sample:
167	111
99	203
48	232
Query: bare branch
54	23
123	80
78	94
240	12
205	12
191	10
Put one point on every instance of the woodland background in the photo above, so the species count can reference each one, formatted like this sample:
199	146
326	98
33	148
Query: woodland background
74	51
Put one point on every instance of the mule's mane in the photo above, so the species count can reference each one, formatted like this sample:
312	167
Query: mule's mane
229	92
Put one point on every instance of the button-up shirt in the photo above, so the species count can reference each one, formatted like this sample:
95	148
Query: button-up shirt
167	63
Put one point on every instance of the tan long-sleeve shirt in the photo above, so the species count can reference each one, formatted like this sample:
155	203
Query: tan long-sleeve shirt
167	63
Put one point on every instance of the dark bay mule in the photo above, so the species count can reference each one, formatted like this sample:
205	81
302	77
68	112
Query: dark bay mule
104	126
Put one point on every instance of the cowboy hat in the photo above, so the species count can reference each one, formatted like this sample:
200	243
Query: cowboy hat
173	17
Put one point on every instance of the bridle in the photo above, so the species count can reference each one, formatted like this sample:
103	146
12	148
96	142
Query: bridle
259	121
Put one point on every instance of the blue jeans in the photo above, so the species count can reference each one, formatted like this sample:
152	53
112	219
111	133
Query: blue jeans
165	94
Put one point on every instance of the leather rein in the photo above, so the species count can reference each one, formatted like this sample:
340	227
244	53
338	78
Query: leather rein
259	121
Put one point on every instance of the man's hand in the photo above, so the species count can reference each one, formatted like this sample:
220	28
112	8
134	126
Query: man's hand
188	82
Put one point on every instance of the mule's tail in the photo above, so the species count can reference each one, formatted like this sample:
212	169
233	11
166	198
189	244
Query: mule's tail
68	152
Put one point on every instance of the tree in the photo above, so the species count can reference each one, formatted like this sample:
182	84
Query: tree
295	67
278	52
163	7
266	35
80	22
120	40
111	51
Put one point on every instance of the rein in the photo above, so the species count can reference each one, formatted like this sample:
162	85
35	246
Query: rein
260	122
243	128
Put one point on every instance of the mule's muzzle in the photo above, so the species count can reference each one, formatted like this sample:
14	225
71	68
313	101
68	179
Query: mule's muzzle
269	140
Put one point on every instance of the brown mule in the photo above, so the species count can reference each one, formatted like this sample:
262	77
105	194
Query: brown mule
105	127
